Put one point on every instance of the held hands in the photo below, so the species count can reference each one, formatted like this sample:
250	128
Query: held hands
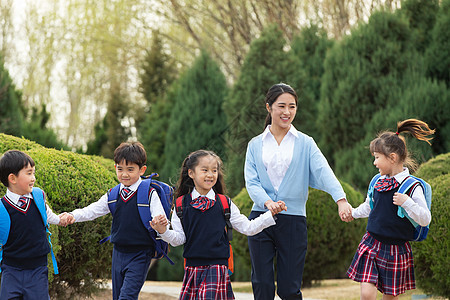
275	207
66	219
159	223
399	199
345	210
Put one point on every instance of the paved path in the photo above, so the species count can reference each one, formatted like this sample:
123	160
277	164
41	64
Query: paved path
173	289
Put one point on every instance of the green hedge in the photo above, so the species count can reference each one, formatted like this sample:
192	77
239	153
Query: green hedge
331	242
72	181
432	256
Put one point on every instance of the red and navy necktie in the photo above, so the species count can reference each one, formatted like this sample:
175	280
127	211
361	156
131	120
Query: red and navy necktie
126	192
202	203
386	184
23	201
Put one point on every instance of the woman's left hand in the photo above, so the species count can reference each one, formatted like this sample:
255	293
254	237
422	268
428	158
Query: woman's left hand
345	210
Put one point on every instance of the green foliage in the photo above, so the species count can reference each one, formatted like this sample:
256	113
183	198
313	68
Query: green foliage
431	256
72	181
158	74
266	64
11	117
167	272
309	48
197	119
331	242
438	59
421	16
36	129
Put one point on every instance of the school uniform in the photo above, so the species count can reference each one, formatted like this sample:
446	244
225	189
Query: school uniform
133	247
24	264
284	172
206	246
384	256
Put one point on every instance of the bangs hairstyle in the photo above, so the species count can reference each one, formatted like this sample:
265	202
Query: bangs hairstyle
12	162
388	142
131	152
185	184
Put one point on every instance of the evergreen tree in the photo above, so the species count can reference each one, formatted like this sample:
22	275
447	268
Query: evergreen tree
158	73
36	129
437	54
11	113
421	15
361	72
266	64
197	119
310	48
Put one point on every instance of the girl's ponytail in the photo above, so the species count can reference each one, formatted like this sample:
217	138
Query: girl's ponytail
416	128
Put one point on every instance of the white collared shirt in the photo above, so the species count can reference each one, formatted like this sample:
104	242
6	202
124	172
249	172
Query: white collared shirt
239	222
52	218
277	158
415	206
100	208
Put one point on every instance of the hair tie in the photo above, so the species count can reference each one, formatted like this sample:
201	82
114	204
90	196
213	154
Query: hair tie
396	133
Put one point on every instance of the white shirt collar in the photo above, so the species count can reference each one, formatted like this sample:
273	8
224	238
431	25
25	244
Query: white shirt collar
134	186
292	131
399	176
211	194
15	197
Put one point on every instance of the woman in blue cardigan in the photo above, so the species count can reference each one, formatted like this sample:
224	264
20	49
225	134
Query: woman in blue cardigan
281	163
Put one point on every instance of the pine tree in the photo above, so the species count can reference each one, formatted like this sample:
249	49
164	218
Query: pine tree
197	120
11	112
310	48
266	64
158	73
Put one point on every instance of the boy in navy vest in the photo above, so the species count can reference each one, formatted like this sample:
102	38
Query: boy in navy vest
133	245
24	263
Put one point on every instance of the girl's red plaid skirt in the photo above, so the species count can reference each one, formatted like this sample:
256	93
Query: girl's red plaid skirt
206	282
389	267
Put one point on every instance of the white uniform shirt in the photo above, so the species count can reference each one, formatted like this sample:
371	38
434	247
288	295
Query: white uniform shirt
239	222
277	158
415	206
52	218
100	208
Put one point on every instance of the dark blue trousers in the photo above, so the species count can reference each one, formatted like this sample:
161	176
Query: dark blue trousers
24	284
287	241
129	271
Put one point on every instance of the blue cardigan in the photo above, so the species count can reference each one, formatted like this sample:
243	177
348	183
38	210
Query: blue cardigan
308	168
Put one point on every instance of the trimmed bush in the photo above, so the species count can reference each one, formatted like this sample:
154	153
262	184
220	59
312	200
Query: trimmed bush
331	242
431	256
72	181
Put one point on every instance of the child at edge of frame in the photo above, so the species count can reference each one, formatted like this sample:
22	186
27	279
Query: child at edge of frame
384	260
24	271
202	228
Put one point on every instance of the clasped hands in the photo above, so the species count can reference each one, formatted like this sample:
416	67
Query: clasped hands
66	219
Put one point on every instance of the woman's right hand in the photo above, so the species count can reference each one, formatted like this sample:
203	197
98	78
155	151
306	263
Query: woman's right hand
275	207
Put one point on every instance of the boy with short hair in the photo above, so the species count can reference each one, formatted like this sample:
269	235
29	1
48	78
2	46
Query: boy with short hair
133	245
24	263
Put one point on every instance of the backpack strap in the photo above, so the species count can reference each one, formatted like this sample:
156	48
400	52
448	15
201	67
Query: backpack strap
225	202
5	226
144	192
406	187
113	195
38	196
371	188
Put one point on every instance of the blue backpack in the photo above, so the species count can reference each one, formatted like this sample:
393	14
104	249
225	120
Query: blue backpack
5	223
420	232
165	193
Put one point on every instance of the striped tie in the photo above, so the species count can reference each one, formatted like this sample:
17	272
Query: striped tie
386	184
125	192
23	201
202	203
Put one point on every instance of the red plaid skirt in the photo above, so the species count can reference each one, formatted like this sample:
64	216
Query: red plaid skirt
206	283
389	267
